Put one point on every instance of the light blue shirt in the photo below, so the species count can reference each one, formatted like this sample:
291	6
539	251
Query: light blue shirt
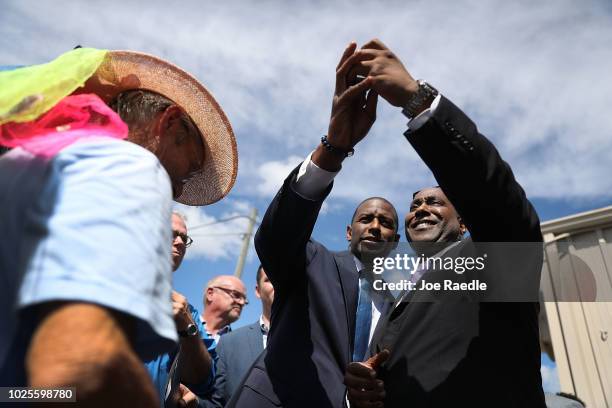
91	224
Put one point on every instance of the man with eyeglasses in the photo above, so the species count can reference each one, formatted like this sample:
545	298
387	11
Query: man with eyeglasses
224	298
187	370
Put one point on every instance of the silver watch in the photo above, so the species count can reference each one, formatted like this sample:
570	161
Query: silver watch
424	93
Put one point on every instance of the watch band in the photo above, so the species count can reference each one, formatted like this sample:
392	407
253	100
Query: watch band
425	93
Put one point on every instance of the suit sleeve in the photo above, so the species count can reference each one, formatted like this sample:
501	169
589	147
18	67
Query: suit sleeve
473	176
282	238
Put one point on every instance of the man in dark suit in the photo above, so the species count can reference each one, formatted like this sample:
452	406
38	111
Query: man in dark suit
316	328
240	348
454	351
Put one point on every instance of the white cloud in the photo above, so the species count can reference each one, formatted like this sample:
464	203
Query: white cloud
532	75
550	379
213	237
272	174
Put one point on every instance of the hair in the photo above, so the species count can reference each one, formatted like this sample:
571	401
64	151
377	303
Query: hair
139	107
395	217
259	274
180	215
426	188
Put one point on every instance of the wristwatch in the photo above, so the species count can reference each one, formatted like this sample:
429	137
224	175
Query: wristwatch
425	94
190	331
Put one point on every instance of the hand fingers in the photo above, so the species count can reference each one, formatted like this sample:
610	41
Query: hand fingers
342	72
355	91
177	297
350	49
362	383
377	359
361	370
366	398
375	44
370	109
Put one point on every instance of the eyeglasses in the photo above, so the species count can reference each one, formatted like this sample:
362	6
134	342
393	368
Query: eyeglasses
184	237
234	294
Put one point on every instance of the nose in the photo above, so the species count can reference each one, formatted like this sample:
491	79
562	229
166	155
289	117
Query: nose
374	227
421	210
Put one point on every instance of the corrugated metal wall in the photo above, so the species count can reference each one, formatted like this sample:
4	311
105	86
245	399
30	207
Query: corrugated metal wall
577	288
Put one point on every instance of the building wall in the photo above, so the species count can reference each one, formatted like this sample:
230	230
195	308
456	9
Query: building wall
577	294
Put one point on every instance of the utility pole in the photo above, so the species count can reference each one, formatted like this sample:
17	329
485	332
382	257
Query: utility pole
246	240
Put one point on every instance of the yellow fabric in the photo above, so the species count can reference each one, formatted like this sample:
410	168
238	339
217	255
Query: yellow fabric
26	93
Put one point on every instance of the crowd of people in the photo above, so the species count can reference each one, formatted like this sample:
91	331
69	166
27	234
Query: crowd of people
87	299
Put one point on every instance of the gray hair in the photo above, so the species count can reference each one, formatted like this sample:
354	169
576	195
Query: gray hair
139	107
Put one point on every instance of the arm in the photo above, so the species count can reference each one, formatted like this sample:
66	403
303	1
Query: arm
472	174
86	346
467	166
195	362
287	225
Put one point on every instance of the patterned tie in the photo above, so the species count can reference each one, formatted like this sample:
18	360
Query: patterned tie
364	318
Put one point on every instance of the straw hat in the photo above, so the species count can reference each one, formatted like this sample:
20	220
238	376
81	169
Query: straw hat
126	70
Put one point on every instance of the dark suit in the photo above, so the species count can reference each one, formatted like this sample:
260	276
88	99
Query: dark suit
453	352
236	353
313	314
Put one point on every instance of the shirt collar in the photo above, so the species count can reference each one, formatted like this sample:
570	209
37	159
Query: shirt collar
262	325
358	263
223	330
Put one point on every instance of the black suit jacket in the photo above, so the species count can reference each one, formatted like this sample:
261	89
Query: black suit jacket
313	314
454	352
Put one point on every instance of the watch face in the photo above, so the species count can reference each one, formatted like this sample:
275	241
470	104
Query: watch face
192	330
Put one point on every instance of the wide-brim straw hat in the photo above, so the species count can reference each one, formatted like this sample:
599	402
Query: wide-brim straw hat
126	70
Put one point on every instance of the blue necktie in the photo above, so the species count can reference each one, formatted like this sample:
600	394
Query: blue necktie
363	320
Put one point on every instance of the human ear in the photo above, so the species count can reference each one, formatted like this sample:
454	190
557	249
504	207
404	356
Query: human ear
169	119
349	233
462	226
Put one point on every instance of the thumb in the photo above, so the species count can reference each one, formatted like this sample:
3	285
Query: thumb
377	359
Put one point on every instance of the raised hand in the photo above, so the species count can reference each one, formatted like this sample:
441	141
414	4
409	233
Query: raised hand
180	311
388	76
364	389
352	115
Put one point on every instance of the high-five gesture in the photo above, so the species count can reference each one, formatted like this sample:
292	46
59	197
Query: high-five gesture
353	113
388	76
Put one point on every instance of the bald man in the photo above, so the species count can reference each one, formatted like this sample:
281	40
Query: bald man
224	298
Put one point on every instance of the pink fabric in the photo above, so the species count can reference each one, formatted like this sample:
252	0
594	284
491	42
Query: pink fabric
75	117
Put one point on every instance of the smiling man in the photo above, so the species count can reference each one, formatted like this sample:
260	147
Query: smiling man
432	218
453	350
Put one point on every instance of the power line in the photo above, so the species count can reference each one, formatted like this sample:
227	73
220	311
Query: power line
220	221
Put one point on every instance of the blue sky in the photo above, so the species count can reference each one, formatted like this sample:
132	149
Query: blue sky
534	76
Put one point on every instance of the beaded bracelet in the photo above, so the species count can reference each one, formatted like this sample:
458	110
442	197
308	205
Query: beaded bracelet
335	150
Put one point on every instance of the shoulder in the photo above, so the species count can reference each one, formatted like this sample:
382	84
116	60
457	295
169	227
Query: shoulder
238	335
107	156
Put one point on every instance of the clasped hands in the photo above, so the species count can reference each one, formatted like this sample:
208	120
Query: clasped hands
354	104
364	390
